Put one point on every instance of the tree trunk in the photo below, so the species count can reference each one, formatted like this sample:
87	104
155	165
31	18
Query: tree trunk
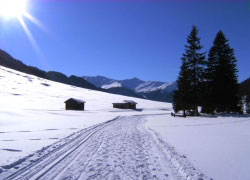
196	112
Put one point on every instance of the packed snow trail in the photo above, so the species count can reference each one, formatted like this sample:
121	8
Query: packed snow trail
118	149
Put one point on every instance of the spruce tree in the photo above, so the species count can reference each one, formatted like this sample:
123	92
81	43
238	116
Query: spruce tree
191	77
181	95
221	74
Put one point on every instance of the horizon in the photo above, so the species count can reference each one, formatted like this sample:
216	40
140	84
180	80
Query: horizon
122	40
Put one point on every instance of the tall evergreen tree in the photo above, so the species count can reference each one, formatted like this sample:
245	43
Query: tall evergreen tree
191	77
181	99
221	74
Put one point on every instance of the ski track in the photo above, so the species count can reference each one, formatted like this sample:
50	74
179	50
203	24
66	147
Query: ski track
118	149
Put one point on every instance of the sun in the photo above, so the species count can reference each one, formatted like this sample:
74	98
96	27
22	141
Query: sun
18	10
13	8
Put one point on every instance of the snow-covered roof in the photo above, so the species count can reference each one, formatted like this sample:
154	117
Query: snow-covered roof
130	101
126	101
76	100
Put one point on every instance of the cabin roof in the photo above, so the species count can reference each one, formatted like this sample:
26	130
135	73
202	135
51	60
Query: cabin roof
130	101
126	101
76	100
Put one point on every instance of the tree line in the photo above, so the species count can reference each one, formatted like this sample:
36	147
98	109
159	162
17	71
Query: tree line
207	82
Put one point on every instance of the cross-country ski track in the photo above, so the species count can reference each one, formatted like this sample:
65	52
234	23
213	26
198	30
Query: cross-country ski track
122	148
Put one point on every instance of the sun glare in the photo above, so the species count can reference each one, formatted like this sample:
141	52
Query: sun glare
17	9
12	8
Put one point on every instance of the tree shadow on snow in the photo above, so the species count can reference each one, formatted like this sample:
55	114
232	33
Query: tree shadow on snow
224	115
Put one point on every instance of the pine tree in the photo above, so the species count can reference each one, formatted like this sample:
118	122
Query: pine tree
191	77
181	99
221	75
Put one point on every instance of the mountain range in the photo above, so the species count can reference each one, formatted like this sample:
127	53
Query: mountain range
134	87
153	90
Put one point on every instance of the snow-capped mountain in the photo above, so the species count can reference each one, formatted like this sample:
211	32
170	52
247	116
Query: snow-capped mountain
99	81
154	90
112	85
150	86
134	84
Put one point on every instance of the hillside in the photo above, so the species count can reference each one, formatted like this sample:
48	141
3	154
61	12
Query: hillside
10	62
153	90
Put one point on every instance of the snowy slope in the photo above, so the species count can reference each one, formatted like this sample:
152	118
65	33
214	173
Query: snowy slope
33	115
32	112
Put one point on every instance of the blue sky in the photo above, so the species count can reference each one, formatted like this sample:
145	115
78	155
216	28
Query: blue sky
124	39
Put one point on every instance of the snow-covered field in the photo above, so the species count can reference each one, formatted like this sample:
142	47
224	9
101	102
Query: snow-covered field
37	135
219	146
32	112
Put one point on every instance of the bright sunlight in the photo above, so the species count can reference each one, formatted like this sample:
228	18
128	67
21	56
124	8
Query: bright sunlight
18	9
13	8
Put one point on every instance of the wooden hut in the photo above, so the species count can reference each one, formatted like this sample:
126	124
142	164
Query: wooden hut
126	104
74	104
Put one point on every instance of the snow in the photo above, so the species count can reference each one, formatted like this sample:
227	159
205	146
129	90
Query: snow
37	134
76	100
112	85
134	84
130	101
150	86
219	146
147	86
33	112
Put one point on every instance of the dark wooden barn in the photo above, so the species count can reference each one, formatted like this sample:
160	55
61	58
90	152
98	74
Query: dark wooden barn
126	104
74	104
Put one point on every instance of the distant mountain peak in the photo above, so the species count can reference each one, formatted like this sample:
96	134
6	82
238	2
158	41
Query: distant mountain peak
156	88
136	79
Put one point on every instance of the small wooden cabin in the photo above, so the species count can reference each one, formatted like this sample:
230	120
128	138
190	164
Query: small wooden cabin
126	104
74	104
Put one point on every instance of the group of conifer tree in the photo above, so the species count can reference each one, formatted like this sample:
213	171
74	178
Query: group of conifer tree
210	83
